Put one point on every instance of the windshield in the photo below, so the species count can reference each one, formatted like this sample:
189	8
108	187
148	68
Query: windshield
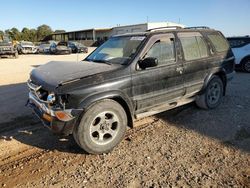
117	50
27	43
5	44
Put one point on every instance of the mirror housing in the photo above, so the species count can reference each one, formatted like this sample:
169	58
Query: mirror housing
148	62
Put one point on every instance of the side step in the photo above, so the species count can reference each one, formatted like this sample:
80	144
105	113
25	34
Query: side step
164	107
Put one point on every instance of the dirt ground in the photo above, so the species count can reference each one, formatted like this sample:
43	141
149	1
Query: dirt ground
184	147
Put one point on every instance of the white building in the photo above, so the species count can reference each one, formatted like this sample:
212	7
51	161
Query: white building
142	27
96	36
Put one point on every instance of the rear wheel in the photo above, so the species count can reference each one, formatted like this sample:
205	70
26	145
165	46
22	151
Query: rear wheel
246	65
102	127
213	94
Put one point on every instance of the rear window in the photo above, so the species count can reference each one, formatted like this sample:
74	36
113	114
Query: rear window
219	42
236	43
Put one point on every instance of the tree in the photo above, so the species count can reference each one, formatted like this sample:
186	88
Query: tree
33	35
25	35
1	35
43	31
14	34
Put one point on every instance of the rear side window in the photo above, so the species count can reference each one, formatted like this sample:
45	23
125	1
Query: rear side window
219	42
193	45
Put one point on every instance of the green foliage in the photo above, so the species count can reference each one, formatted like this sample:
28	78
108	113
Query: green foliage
43	31
1	34
33	35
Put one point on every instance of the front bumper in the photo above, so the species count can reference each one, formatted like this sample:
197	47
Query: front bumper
3	53
48	115
28	51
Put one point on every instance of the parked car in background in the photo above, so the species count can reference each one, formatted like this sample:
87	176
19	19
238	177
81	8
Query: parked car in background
7	49
241	50
60	48
131	76
26	47
77	47
44	47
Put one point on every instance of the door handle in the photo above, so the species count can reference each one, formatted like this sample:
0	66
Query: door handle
179	69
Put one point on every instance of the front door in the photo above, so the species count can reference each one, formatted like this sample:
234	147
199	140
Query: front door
163	83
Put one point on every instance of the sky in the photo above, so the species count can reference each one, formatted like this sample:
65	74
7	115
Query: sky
232	17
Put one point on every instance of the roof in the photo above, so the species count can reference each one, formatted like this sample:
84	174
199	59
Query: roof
239	37
166	30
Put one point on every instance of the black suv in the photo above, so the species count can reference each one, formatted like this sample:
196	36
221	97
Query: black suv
131	76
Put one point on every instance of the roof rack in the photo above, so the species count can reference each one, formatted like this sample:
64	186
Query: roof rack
197	27
163	28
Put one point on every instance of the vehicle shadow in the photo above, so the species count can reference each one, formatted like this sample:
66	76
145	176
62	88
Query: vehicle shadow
229	123
35	66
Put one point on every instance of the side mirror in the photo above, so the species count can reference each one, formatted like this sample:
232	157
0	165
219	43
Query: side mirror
148	62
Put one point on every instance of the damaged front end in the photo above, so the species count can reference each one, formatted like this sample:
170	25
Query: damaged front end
50	108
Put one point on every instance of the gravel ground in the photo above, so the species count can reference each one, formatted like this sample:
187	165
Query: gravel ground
184	147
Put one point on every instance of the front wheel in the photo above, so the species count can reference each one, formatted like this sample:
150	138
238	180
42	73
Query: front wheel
16	55
102	127
213	94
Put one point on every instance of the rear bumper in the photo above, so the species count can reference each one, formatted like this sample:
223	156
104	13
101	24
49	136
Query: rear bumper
61	52
48	116
84	50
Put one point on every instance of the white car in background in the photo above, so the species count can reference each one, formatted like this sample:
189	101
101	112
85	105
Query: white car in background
241	49
26	47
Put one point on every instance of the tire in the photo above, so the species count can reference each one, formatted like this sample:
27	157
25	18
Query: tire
213	94
102	127
16	55
246	65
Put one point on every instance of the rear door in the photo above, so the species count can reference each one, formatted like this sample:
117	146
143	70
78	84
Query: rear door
158	85
195	60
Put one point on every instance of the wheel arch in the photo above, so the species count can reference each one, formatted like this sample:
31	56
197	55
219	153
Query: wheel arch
244	58
221	74
117	96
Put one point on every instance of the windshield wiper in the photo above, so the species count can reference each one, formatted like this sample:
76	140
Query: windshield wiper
100	61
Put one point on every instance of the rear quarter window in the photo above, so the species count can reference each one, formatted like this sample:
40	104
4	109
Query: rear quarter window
219	42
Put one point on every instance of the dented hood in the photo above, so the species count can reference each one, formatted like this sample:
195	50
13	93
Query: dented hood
54	74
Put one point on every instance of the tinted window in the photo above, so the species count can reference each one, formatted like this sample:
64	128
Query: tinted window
219	42
163	50
194	47
234	43
202	47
